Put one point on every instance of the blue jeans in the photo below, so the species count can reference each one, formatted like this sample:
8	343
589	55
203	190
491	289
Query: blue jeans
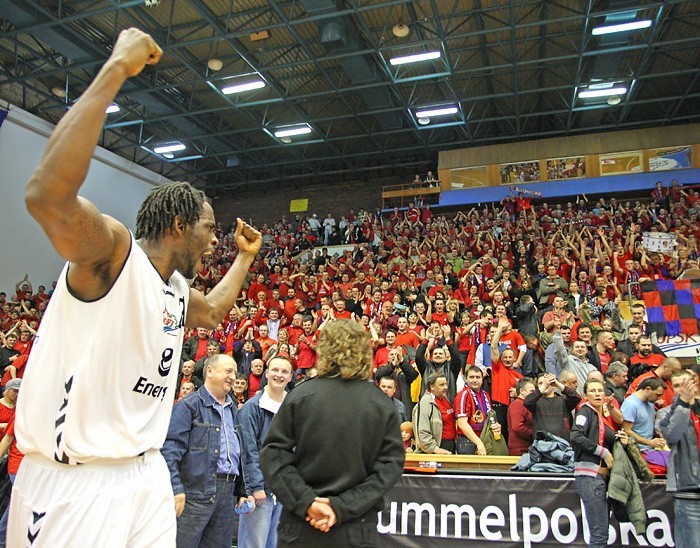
3	520
208	522
687	522
593	494
258	529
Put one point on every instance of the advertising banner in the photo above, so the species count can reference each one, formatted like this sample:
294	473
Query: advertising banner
566	168
668	158
502	511
620	163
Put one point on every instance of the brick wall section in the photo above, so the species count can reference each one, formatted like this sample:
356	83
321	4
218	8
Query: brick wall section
266	206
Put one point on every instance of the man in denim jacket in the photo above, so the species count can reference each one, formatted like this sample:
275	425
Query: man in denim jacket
203	455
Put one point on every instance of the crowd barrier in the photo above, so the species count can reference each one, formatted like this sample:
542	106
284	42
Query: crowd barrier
501	509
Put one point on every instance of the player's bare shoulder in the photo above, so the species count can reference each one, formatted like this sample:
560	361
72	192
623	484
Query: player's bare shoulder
92	279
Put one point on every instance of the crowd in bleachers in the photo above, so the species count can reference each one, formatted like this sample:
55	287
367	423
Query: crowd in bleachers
434	291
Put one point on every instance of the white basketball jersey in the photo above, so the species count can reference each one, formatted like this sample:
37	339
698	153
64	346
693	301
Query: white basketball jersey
100	378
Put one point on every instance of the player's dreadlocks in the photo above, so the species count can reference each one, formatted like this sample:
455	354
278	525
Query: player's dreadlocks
157	212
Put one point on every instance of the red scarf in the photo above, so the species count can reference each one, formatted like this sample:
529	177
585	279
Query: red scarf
601	425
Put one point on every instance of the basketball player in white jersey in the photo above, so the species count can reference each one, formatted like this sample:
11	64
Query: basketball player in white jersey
98	389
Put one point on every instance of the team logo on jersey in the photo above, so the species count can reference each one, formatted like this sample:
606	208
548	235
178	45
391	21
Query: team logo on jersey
171	323
148	388
163	369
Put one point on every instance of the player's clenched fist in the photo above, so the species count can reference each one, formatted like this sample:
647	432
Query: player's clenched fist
134	50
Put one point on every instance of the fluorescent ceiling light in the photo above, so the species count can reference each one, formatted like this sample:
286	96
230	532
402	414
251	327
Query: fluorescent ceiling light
601	92
622	27
111	109
299	130
442	111
172	147
415	58
257	84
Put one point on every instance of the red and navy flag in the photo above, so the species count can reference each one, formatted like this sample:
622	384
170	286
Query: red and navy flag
673	306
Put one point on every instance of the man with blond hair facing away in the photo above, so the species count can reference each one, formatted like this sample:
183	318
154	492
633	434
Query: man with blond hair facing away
328	459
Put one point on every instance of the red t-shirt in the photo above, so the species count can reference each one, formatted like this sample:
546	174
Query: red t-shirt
410	338
19	364
449	428
254	383
440	317
344	315
502	380
514	340
201	349
652	360
15	456
23	347
604	362
6	413
306	356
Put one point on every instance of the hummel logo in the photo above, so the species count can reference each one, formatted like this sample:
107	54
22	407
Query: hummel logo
35	526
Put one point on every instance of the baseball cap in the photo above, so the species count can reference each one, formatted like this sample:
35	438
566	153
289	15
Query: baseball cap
13	384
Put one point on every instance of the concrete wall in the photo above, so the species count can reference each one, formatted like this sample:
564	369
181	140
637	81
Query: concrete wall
114	184
268	205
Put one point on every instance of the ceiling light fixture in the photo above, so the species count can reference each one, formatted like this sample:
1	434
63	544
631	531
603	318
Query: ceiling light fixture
111	109
415	58
424	121
622	27
591	93
59	92
614	100
169	147
215	64
238	88
291	131
441	111
400	30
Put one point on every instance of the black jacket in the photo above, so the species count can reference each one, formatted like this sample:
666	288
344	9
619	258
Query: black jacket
450	368
594	356
405	374
337	439
588	453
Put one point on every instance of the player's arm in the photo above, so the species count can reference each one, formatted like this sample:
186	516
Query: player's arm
95	244
208	310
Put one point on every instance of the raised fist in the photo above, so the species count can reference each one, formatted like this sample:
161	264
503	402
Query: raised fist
134	50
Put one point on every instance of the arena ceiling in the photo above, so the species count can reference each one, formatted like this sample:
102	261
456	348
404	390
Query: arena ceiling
513	70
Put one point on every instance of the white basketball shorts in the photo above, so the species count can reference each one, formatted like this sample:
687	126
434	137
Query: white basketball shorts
107	504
